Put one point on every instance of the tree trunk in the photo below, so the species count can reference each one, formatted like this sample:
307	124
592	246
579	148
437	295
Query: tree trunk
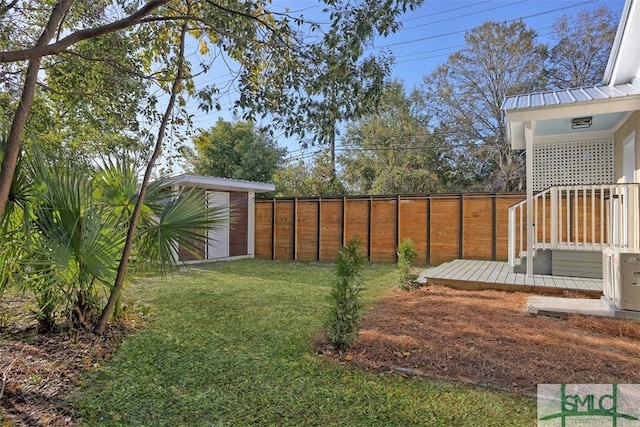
81	315
14	139
107	312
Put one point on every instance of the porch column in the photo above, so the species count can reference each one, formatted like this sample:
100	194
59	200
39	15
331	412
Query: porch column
529	128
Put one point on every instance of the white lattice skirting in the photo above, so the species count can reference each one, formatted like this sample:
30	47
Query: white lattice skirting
572	163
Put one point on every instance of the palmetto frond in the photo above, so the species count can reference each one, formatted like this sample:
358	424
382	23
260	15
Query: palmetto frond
182	223
76	232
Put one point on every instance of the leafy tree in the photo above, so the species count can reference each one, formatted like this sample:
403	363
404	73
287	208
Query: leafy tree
236	150
291	179
317	179
581	48
92	108
280	57
347	86
466	92
392	150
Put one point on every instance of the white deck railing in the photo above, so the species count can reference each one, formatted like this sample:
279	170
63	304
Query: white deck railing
580	217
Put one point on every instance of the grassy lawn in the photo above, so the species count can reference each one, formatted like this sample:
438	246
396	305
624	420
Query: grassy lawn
231	344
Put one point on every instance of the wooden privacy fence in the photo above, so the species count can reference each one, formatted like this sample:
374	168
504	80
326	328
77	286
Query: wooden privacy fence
442	227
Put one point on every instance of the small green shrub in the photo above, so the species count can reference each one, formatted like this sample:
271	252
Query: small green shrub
406	255
345	310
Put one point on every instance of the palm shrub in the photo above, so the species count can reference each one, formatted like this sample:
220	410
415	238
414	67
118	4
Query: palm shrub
345	308
406	256
73	224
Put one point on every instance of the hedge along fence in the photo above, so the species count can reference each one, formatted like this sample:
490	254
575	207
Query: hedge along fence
442	227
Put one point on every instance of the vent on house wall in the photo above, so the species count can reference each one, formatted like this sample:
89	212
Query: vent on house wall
572	163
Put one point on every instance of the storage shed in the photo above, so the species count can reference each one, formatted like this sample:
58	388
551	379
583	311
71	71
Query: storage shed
235	239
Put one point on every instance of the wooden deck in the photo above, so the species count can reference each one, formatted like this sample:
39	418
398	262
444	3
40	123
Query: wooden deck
472	274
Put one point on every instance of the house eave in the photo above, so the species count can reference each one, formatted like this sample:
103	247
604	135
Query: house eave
624	62
577	109
615	49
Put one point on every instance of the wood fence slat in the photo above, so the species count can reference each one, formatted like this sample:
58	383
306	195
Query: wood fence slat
357	223
414	224
263	231
383	225
307	230
331	226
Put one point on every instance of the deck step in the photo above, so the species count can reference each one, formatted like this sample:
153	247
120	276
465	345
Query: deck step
560	262
541	262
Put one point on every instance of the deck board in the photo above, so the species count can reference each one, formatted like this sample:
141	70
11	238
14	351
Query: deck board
475	274
495	273
486	273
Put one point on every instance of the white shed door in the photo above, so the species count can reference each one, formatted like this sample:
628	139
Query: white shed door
218	243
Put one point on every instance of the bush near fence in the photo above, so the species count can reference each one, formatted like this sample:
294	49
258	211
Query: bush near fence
443	227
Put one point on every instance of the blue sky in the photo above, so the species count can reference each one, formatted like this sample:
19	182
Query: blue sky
437	29
428	36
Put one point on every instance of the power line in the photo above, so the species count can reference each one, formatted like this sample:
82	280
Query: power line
465	15
446	11
424	146
436	36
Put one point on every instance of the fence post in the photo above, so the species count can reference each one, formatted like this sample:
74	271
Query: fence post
319	228
397	227
428	209
461	228
343	239
273	230
494	224
369	233
295	228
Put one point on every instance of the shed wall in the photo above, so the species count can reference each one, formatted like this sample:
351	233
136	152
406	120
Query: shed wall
239	226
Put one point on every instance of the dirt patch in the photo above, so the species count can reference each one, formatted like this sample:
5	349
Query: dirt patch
486	338
37	371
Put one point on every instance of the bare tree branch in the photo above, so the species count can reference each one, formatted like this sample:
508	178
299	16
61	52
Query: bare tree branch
39	51
116	65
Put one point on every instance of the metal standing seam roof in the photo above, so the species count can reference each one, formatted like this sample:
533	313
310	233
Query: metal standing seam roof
569	96
212	182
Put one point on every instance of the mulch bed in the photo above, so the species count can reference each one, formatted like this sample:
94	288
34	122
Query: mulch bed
486	338
38	371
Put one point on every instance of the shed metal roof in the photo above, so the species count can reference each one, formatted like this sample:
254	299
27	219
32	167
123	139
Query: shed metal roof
570	96
216	183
